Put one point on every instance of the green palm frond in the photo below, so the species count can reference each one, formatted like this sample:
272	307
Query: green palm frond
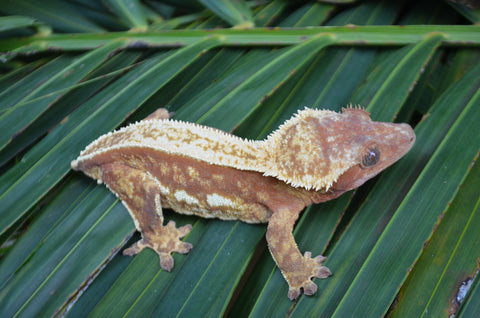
405	244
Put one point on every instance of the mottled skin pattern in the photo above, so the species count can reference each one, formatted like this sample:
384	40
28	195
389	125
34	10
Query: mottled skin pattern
314	157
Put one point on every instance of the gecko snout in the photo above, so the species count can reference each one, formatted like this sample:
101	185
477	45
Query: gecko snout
409	134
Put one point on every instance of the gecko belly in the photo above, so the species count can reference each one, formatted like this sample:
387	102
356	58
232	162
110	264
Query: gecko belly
190	186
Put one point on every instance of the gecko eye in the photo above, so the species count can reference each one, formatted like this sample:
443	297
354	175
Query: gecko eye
371	157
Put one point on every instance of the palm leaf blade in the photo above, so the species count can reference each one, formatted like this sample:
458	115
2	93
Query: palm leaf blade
247	81
454	246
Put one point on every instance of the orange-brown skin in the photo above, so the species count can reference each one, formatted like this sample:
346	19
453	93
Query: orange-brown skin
314	157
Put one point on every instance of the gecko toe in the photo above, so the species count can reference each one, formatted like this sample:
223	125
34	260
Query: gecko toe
184	248
320	259
171	224
319	270
184	230
323	272
309	288
293	293
135	248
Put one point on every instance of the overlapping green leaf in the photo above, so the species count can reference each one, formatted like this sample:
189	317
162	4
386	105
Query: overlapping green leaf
268	77
89	86
317	86
235	12
17	113
449	262
398	75
14	22
344	35
130	11
59	264
47	12
467	11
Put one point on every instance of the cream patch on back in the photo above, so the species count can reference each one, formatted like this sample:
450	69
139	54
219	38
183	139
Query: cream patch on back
175	137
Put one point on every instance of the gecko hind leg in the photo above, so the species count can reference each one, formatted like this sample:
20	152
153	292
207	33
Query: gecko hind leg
140	194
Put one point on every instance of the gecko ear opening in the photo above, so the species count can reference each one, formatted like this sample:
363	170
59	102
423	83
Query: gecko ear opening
371	157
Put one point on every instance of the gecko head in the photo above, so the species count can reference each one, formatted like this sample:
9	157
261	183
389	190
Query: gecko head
325	150
374	147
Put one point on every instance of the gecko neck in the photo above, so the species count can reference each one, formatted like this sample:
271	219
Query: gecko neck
294	153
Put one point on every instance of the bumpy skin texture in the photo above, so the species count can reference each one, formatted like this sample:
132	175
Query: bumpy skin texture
313	157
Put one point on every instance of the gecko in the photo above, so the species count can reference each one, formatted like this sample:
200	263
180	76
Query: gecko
313	157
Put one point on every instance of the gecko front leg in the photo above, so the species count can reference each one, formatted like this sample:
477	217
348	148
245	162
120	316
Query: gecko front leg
297	269
140	194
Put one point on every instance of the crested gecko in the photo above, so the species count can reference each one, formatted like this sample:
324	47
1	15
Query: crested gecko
315	156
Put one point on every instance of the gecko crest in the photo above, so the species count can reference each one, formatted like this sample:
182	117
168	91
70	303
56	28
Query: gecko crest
306	151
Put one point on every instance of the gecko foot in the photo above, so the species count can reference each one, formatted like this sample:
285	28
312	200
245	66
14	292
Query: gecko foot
164	241
302	278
